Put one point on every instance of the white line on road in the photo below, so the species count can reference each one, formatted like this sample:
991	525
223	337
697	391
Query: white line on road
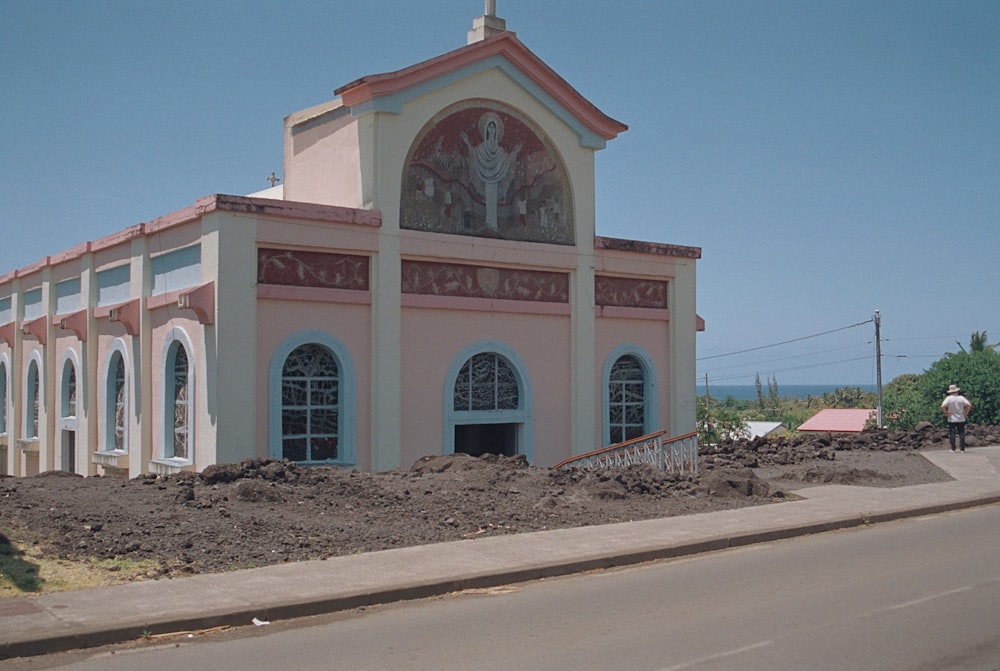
915	602
719	655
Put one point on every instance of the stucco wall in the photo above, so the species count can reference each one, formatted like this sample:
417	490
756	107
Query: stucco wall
350	325
434	343
322	159
646	338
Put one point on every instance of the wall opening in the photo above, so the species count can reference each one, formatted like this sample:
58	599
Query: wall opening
479	439
69	451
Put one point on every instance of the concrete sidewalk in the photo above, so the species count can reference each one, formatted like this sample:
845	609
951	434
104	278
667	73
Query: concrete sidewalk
83	618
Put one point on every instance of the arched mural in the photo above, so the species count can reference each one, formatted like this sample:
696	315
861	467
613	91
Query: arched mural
480	168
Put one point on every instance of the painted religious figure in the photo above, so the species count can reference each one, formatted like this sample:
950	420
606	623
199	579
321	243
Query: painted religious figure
490	165
481	169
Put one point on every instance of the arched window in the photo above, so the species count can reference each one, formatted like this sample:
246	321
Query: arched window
626	400
486	382
31	399
310	404
116	404
68	401
177	401
630	405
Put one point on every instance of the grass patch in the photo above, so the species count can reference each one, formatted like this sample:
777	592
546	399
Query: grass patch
25	569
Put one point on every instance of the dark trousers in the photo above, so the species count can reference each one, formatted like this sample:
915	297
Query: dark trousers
959	428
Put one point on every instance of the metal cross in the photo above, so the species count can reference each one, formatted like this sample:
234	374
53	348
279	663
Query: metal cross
273	179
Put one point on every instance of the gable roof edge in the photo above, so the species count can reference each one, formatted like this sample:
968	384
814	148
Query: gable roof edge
363	91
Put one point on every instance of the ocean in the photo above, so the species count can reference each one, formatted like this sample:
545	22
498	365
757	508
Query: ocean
744	392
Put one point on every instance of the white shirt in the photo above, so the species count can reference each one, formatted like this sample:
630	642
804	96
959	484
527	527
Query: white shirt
955	405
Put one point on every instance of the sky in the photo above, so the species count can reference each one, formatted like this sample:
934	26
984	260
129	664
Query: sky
830	158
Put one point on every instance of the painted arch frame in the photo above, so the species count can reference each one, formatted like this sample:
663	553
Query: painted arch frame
522	415
347	430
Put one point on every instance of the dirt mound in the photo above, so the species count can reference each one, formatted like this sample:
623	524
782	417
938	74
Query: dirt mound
261	512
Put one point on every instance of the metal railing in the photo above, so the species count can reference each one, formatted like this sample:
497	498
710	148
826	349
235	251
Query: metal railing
677	455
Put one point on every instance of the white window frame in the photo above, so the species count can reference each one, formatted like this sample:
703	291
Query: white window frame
67	421
176	338
4	393
108	402
33	398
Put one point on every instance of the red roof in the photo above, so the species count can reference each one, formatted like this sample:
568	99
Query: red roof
836	420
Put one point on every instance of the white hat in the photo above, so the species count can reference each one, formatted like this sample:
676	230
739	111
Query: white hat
953	389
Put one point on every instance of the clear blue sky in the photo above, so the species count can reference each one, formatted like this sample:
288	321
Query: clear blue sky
830	158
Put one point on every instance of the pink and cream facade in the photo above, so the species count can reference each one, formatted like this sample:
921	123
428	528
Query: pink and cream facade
427	280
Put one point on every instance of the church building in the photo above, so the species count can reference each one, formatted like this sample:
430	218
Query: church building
426	280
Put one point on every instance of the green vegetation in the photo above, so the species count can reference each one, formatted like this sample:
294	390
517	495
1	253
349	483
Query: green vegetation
27	568
17	573
906	401
721	419
917	398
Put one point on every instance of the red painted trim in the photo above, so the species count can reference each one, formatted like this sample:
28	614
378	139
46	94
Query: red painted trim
75	322
34	267
38	328
505	44
427	301
267	206
313	294
126	313
70	254
7	333
641	247
203	206
619	312
200	299
121	237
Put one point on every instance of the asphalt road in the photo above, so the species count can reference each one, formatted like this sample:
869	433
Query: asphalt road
916	594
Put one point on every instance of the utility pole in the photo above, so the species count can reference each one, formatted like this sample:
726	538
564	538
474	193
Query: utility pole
708	408
878	367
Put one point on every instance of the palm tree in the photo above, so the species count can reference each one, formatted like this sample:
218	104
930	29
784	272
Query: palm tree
977	343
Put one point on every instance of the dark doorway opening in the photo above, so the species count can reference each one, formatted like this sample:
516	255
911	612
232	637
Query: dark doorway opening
69	451
480	439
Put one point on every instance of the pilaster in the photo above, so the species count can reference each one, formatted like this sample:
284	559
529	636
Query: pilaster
229	258
682	329
140	427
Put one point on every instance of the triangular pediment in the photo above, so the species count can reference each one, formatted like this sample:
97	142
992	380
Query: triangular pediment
388	92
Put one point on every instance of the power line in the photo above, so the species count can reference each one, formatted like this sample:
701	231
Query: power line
785	342
724	378
786	358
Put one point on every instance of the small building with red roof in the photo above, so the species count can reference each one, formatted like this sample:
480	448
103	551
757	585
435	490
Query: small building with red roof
837	420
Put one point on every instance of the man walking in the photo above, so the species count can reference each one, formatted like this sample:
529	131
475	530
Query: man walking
956	408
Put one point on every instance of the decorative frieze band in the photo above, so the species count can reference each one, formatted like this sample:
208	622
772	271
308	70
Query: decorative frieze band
453	279
298	268
630	292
